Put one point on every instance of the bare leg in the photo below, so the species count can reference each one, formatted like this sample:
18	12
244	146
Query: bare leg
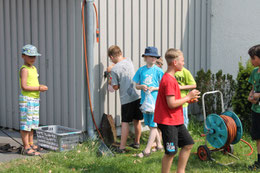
152	137
167	163
25	138
138	129
124	134
183	158
31	137
158	139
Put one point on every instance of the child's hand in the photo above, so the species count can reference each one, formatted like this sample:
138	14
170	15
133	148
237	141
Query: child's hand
43	88
252	99
256	96
144	87
109	68
194	94
152	89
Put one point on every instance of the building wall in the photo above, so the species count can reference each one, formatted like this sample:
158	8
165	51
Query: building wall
54	26
235	28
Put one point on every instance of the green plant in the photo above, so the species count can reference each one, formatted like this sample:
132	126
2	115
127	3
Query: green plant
208	81
241	105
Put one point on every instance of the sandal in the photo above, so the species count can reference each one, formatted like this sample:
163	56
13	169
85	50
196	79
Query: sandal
28	153
135	145
143	154
120	151
36	147
157	149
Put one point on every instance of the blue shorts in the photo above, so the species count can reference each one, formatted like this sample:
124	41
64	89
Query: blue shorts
148	120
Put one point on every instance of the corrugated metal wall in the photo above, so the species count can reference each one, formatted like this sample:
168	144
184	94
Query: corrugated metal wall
54	26
135	24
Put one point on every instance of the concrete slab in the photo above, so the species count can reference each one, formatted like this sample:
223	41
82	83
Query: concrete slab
6	157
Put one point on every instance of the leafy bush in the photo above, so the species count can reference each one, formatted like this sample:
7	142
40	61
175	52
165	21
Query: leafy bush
207	81
241	106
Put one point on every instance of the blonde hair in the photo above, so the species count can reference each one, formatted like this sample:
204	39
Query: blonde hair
172	54
114	51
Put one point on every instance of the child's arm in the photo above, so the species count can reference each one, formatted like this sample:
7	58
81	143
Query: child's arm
251	98
188	87
141	87
173	103
24	75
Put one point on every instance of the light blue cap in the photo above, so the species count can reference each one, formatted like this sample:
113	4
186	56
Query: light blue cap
30	50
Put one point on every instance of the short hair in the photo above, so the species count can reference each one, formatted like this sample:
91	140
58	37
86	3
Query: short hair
172	54
114	51
254	51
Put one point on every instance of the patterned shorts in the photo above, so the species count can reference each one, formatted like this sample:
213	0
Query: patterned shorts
29	112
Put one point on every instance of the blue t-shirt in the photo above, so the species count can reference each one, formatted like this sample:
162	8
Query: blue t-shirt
150	77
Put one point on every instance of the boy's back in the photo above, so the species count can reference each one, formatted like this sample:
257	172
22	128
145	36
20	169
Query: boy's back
122	74
163	114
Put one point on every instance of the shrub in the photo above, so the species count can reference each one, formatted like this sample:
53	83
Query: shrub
207	81
241	106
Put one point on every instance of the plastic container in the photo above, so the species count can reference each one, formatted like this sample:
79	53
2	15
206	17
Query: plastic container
58	138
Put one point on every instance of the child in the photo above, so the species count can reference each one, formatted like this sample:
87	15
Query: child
186	83
253	97
146	78
122	73
29	100
169	114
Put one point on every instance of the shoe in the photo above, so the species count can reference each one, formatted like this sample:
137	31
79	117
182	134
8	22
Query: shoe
120	151
143	154
254	167
135	145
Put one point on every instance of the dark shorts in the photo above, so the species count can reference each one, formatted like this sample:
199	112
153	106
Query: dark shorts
131	111
174	137
255	128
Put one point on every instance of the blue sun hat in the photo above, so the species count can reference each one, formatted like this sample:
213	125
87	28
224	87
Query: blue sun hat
151	51
30	50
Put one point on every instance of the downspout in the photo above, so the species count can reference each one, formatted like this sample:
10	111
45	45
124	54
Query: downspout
90	56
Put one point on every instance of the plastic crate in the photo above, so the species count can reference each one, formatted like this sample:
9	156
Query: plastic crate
58	138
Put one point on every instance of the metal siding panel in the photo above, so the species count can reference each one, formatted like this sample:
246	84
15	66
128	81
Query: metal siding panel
157	25
64	63
80	71
14	68
197	35
191	36
127	28
49	62
111	41
2	69
27	21
185	24
42	60
8	64
71	62
203	30
143	29
178	24
56	62
119	41
164	25
103	56
171	41
150	23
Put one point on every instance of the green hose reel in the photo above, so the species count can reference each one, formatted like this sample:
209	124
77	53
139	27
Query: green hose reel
216	130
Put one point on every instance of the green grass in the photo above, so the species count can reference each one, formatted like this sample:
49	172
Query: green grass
85	159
